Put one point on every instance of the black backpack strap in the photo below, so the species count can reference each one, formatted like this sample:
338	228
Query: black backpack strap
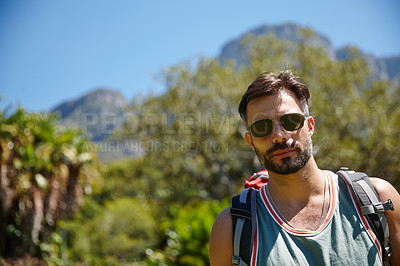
243	213
370	205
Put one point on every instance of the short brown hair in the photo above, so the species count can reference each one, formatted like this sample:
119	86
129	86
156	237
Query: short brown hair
268	84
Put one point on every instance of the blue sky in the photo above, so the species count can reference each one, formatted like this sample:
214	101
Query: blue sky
52	51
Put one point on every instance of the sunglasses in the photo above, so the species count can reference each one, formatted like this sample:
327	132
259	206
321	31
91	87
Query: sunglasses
290	122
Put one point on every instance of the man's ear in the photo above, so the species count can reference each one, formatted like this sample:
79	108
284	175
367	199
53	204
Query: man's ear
249	140
311	124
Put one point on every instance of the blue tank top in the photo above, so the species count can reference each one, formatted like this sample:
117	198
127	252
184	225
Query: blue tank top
343	238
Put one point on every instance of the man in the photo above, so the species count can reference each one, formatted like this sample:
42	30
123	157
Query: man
304	215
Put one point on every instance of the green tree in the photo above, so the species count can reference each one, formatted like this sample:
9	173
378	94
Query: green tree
45	170
137	178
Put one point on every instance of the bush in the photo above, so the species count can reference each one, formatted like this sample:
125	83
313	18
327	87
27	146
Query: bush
121	232
187	234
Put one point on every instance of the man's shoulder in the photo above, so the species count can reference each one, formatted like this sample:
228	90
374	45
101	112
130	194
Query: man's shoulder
222	227
224	217
383	188
386	191
221	249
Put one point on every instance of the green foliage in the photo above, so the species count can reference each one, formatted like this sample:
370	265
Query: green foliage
44	170
121	231
134	178
187	234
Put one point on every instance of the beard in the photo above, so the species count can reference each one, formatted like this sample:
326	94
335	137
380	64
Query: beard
286	165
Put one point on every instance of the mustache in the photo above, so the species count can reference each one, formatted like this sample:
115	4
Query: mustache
280	146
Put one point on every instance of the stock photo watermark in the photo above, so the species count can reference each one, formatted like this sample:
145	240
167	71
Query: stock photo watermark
164	123
138	147
157	132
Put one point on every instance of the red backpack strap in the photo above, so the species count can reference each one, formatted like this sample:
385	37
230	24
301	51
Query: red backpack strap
257	180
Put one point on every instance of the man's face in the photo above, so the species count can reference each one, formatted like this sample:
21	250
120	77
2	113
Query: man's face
282	152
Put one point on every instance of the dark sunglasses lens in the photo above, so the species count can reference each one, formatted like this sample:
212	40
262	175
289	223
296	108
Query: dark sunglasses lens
292	122
261	128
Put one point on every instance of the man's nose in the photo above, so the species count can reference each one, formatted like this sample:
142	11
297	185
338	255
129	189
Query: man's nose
279	134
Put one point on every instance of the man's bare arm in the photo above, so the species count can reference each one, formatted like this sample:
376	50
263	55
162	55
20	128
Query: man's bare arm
221	247
386	191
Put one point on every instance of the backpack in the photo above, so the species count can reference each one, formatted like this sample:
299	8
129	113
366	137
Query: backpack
244	211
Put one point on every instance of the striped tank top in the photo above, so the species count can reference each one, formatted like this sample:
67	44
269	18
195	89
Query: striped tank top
343	238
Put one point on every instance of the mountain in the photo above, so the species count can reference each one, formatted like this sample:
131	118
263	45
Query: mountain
97	113
289	32
380	67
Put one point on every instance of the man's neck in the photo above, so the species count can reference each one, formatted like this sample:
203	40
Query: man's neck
300	186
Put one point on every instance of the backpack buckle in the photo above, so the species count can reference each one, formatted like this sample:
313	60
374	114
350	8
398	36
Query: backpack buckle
387	253
236	260
377	208
388	205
